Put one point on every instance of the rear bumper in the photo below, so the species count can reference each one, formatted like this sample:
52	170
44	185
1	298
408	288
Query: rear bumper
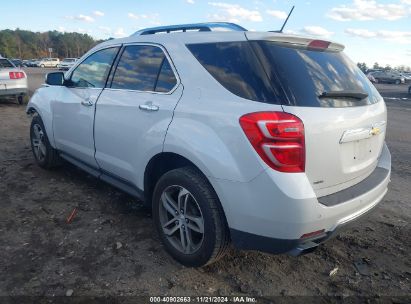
13	92
273	211
295	247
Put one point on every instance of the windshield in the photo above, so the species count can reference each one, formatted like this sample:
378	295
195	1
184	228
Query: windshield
305	75
4	63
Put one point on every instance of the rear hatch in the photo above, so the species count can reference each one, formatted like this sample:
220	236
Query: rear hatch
344	116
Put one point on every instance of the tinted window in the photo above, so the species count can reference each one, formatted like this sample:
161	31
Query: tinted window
166	79
4	63
93	71
139	67
306	74
235	66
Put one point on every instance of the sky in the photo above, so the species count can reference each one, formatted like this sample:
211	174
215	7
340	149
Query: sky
372	30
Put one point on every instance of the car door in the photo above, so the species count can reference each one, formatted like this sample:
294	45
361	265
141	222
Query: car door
74	107
135	110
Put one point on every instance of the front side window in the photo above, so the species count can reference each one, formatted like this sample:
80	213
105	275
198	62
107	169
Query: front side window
143	68
93	71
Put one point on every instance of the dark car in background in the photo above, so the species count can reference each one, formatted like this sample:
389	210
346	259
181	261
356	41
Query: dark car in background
388	77
17	62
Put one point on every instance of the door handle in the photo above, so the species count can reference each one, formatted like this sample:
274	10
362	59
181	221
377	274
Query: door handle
149	107
87	102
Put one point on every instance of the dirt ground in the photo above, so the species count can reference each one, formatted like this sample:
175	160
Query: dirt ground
111	249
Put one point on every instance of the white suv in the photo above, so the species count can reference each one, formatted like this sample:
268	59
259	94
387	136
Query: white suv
48	63
66	63
266	140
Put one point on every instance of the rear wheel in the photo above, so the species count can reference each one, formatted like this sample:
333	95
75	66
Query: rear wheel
20	99
189	218
409	90
44	154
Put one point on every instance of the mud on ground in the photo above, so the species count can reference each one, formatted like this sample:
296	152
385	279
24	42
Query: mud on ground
111	248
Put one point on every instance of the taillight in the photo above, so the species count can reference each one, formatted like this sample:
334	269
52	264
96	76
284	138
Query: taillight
16	75
278	138
318	45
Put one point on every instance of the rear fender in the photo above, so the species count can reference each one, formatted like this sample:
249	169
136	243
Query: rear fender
222	154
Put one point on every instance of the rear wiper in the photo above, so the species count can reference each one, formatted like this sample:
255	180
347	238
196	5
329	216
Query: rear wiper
343	94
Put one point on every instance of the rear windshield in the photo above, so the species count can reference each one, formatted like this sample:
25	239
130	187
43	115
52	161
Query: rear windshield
4	63
290	76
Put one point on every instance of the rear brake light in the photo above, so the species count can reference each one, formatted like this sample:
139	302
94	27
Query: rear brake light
318	45
16	75
278	138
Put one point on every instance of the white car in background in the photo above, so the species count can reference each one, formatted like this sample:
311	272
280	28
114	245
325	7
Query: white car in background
13	81
66	63
267	140
48	63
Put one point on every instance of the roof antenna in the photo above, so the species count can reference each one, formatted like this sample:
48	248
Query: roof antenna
286	20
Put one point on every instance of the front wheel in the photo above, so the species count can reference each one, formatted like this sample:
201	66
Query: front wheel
189	218
44	154
398	81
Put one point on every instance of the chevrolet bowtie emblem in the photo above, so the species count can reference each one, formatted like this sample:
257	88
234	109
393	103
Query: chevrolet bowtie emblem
375	131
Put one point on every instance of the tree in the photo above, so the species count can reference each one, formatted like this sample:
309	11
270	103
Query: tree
26	44
363	67
376	66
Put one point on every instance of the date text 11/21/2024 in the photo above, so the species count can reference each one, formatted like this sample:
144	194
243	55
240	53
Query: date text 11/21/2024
205	299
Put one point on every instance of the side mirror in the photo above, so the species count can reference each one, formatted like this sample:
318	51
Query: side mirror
55	79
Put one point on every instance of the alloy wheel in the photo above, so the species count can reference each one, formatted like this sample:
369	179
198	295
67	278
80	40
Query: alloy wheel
39	146
181	219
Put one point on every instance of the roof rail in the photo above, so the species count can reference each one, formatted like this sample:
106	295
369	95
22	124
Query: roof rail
201	27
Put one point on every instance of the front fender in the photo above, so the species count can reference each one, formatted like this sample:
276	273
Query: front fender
40	103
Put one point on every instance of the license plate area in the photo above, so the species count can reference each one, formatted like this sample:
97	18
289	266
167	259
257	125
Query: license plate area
361	154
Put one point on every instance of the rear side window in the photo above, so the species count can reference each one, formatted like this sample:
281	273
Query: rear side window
4	63
143	68
235	66
305	75
93	71
166	78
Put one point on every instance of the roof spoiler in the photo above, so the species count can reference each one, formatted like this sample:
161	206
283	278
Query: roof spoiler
296	41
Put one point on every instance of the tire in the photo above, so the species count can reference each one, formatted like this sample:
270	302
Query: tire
20	99
397	82
42	66
203	212
409	90
44	154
